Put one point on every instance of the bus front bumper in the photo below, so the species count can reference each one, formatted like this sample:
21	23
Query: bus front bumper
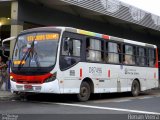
50	87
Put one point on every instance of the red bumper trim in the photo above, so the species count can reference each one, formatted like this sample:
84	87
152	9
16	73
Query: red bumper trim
34	79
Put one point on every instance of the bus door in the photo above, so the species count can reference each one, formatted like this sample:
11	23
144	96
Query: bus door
70	57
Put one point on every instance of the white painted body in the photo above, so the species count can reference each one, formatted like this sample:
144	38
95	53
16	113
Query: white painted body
119	80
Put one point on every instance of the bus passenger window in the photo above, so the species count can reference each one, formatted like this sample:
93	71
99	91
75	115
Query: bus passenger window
151	57
114	51
141	59
129	57
94	51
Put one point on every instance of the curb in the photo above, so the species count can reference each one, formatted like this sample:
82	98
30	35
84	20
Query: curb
6	96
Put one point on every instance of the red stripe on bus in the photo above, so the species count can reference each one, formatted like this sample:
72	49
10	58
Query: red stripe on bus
109	73
105	37
81	72
35	79
156	64
154	75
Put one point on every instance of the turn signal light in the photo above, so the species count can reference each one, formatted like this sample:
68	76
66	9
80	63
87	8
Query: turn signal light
12	79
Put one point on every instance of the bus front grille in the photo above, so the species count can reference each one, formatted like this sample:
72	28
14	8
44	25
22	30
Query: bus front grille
28	82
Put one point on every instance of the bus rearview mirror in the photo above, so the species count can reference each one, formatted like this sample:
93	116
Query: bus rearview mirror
70	45
65	45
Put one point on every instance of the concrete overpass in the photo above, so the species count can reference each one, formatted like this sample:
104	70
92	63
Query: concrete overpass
110	17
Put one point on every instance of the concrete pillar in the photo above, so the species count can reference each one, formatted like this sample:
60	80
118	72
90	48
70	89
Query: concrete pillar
15	30
15	27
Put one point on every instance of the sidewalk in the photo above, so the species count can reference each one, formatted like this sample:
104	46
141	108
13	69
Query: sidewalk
7	95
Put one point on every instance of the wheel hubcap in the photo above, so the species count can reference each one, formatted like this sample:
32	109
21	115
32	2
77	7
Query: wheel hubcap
84	92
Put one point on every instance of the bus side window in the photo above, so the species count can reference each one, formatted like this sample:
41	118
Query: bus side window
114	52
65	47
151	57
71	47
71	50
141	58
129	54
94	50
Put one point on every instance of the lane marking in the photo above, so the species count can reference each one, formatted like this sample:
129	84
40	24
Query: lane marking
147	97
106	101
98	107
124	100
157	96
108	108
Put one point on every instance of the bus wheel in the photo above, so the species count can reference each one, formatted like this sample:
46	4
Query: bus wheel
135	88
84	92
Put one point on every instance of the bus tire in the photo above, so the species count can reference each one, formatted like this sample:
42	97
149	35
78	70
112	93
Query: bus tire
135	89
85	92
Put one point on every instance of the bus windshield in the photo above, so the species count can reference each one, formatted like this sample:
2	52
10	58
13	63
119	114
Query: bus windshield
36	50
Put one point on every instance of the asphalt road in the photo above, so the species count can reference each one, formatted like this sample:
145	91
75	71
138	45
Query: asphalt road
119	106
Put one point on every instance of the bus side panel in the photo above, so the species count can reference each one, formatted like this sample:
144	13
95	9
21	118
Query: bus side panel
104	79
70	79
152	78
107	78
129	73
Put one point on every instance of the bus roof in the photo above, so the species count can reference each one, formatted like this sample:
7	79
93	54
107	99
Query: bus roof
93	34
107	37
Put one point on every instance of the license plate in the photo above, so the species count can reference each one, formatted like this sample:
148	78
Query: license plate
28	87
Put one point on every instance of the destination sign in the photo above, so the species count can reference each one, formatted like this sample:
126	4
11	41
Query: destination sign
17	62
41	37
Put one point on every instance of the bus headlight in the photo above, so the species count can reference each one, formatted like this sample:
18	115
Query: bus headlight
12	79
51	78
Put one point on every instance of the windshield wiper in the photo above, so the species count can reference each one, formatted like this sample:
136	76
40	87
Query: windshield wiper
26	55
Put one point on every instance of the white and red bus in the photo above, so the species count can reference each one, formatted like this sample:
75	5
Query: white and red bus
66	60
